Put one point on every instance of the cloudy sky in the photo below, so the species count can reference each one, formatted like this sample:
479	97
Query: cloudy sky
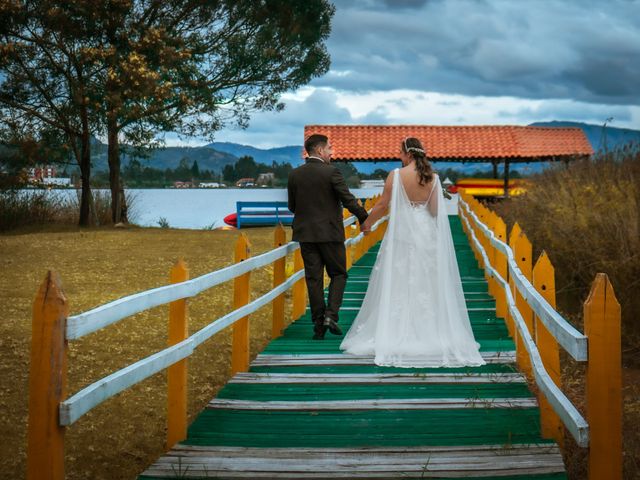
467	62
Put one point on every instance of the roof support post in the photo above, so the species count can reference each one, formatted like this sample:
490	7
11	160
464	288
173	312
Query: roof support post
506	178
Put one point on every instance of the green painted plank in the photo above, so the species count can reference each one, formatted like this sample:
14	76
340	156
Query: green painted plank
328	392
259	428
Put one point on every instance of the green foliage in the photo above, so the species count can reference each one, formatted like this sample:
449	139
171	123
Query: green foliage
135	68
246	167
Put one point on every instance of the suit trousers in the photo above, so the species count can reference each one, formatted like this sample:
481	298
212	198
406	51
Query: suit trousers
317	256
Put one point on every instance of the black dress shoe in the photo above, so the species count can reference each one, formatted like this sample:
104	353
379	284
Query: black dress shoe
333	327
318	336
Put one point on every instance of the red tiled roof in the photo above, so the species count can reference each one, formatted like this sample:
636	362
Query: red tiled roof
468	143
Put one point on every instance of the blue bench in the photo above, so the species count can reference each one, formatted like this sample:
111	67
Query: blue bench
262	214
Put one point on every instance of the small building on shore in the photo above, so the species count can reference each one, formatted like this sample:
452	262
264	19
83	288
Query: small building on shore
246	182
266	178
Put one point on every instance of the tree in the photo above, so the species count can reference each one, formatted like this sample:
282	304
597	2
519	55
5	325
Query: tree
195	170
229	173
194	66
130	68
47	65
245	167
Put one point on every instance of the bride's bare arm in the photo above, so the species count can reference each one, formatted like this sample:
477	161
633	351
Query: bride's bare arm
432	203
379	209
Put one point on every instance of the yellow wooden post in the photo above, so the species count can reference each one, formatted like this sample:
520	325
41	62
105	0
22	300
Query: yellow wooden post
490	220
299	288
358	246
348	234
523	254
177	373
515	233
47	381
500	231
279	239
241	296
604	380
545	283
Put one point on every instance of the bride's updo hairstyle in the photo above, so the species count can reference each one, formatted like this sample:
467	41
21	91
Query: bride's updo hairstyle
414	149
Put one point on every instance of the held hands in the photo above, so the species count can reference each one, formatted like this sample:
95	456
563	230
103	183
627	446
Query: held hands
365	228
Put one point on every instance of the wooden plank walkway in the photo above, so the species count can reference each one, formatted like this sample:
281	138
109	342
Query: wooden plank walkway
305	410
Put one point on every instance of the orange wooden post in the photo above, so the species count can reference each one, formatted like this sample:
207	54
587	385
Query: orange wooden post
604	380
299	288
523	254
241	296
177	373
500	231
47	381
545	283
279	239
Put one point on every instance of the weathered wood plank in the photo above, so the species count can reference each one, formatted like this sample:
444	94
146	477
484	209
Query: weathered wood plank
337	378
410	462
371	404
343	359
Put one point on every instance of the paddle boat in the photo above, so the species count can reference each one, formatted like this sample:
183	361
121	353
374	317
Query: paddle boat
489	187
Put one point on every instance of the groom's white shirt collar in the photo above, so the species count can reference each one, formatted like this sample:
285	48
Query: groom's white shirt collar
310	157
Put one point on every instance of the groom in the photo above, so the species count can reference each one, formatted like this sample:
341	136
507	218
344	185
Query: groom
317	192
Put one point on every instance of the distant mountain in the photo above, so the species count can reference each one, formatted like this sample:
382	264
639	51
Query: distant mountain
291	154
215	156
168	157
599	137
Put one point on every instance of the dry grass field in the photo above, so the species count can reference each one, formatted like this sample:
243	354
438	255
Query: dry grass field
120	437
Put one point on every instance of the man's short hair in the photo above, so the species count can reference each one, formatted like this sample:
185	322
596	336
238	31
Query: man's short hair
314	141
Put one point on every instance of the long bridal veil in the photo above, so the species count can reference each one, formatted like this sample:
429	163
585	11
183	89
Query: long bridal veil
414	313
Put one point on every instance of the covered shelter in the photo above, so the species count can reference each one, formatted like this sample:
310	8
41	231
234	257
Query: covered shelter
483	143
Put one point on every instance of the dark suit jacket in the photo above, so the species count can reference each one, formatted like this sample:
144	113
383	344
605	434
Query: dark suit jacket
317	192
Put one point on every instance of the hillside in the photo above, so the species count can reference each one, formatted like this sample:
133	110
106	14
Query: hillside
169	157
215	156
599	137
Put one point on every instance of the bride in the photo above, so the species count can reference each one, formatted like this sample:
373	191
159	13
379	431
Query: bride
414	312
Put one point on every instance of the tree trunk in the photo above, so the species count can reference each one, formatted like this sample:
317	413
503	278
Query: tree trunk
86	199
87	208
113	152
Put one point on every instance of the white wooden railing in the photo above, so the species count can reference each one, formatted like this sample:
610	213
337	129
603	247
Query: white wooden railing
538	330
50	412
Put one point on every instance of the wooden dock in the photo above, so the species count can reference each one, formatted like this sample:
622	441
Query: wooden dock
305	410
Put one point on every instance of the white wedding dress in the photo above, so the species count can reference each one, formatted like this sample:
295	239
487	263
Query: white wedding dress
414	313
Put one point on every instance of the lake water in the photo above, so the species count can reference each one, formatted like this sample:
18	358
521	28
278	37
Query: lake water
200	207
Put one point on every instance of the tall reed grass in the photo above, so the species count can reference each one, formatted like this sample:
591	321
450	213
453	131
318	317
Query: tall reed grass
35	207
586	216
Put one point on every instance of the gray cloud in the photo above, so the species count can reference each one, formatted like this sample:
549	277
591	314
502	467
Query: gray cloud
269	129
587	50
